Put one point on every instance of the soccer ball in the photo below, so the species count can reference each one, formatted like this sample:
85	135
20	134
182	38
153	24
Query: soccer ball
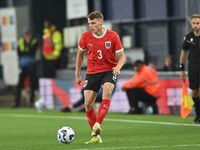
65	135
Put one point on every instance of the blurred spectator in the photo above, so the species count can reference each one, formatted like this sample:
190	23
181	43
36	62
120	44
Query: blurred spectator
52	45
27	46
168	64
144	87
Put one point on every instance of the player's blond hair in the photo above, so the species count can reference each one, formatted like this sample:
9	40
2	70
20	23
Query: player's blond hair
95	15
195	16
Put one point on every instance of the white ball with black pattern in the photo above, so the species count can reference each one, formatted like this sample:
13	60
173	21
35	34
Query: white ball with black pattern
65	135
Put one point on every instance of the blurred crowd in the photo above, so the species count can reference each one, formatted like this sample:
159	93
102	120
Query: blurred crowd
38	57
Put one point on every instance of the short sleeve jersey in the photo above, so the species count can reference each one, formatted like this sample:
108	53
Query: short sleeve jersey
101	50
191	43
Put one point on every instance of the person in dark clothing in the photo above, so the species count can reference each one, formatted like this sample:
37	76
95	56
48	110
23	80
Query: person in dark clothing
143	86
27	46
191	49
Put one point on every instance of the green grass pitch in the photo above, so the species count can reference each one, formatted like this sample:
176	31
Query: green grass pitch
26	129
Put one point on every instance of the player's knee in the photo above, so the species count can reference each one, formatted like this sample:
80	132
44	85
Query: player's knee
107	94
88	106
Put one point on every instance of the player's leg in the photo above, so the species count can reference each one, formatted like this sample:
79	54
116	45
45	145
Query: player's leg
105	104
103	108
92	85
195	97
194	79
90	97
91	88
108	84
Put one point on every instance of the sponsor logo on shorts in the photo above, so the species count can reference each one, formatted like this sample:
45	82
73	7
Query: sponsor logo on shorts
85	83
114	78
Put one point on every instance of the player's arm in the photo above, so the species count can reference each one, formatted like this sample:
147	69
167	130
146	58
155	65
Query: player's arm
121	61
79	62
182	60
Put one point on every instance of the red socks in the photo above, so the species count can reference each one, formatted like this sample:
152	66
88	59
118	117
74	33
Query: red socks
103	110
91	116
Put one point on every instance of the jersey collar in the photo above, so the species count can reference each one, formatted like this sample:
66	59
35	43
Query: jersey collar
101	35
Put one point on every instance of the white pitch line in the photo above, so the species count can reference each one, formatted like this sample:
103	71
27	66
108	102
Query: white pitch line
110	120
154	122
143	147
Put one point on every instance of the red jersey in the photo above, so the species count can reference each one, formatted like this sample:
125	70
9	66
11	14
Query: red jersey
101	50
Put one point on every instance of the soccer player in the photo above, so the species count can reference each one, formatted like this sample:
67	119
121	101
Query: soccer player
191	49
104	48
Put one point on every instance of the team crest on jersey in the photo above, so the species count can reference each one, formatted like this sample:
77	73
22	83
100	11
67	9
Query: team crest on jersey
108	44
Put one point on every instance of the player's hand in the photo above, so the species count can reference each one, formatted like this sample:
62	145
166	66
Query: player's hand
78	79
182	75
116	71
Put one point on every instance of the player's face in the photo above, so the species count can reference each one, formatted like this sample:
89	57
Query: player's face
95	25
196	24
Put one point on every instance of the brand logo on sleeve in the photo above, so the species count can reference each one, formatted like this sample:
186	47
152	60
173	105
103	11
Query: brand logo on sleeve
90	45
